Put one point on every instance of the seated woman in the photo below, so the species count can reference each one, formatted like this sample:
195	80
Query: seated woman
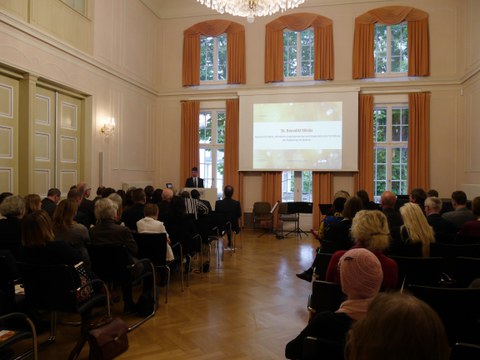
370	231
361	275
398	326
13	210
39	245
332	218
470	232
32	203
68	230
415	233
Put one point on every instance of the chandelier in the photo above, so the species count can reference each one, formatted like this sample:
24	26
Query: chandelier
251	8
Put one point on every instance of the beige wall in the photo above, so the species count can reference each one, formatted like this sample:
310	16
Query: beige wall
133	74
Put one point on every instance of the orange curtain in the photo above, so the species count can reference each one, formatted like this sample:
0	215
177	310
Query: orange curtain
272	189
189	149
322	193
418	39
364	178
230	173
323	44
235	50
418	140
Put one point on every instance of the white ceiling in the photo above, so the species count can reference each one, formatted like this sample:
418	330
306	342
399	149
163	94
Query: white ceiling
166	9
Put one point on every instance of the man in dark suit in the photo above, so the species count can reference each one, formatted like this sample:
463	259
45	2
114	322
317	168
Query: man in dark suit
194	181
50	202
395	221
442	228
232	209
136	211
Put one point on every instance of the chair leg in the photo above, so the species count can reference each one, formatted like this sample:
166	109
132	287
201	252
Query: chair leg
154	290
167	283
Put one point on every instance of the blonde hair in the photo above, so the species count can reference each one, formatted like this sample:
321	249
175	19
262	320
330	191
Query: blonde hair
370	229
418	332
419	231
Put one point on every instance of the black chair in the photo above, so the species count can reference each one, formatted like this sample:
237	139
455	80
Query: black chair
113	265
463	351
420	271
14	334
318	348
326	296
212	228
465	240
454	250
286	216
57	288
263	217
8	279
154	247
320	265
466	270
457	307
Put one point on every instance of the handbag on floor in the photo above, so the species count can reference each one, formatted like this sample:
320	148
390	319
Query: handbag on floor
108	339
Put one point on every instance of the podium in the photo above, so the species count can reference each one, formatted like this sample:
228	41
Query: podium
209	194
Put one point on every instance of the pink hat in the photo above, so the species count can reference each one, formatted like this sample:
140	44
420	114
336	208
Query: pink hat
361	274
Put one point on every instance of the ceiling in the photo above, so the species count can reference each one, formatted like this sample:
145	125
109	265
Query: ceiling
169	9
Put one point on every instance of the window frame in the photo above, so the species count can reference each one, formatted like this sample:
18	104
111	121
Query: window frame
210	171
297	181
388	73
389	104
215	80
299	77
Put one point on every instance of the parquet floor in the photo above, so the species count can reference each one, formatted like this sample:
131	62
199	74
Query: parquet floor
249	308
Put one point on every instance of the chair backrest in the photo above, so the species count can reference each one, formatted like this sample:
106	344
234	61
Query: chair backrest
261	208
466	270
111	263
419	271
325	296
50	287
463	351
457	307
320	348
320	265
153	247
454	250
464	239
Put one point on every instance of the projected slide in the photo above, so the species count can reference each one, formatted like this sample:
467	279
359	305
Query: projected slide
297	135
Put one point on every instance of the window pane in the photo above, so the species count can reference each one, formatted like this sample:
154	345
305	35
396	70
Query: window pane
399	48
221	127
288	186
206	165
307	186
380	125
222	57
205	128
380	49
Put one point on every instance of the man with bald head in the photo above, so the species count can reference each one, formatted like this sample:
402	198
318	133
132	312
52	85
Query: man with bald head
387	202
164	205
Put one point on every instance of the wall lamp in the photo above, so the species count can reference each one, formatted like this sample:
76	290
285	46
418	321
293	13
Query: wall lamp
108	127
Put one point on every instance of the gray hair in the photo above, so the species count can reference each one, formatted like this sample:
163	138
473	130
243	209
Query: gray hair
117	199
13	206
105	209
434	203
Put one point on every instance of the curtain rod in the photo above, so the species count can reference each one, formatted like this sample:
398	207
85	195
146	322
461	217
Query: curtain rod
380	92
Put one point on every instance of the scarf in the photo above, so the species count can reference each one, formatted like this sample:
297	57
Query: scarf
355	309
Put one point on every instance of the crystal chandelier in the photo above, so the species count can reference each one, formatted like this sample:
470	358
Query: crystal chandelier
251	8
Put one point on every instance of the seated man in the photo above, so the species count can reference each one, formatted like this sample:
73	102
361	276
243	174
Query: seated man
134	213
441	227
461	214
232	209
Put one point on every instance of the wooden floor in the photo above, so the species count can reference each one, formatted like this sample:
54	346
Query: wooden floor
248	309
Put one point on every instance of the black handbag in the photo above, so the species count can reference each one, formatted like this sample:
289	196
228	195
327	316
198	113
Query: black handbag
108	339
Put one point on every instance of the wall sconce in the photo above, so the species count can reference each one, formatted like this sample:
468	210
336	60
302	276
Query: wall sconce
108	127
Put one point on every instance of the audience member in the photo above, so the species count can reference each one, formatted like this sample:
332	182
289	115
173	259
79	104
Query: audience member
337	238
66	229
232	209
370	231
32	203
397	327
13	210
432	193
150	224
395	221
86	206
193	206
461	214
99	193
38	242
3	196
470	232
415	234
149	189
195	194
164	205
367	204
50	202
117	199
80	217
418	196
108	232
361	278
134	213
331	219
157	196
442	228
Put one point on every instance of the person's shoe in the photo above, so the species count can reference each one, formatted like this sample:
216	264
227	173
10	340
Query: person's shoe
306	275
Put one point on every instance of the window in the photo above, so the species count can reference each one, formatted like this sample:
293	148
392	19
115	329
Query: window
211	143
296	186
298	54
213	58
391	52
390	149
79	6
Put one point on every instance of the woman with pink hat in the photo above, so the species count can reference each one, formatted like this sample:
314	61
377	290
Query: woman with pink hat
361	277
